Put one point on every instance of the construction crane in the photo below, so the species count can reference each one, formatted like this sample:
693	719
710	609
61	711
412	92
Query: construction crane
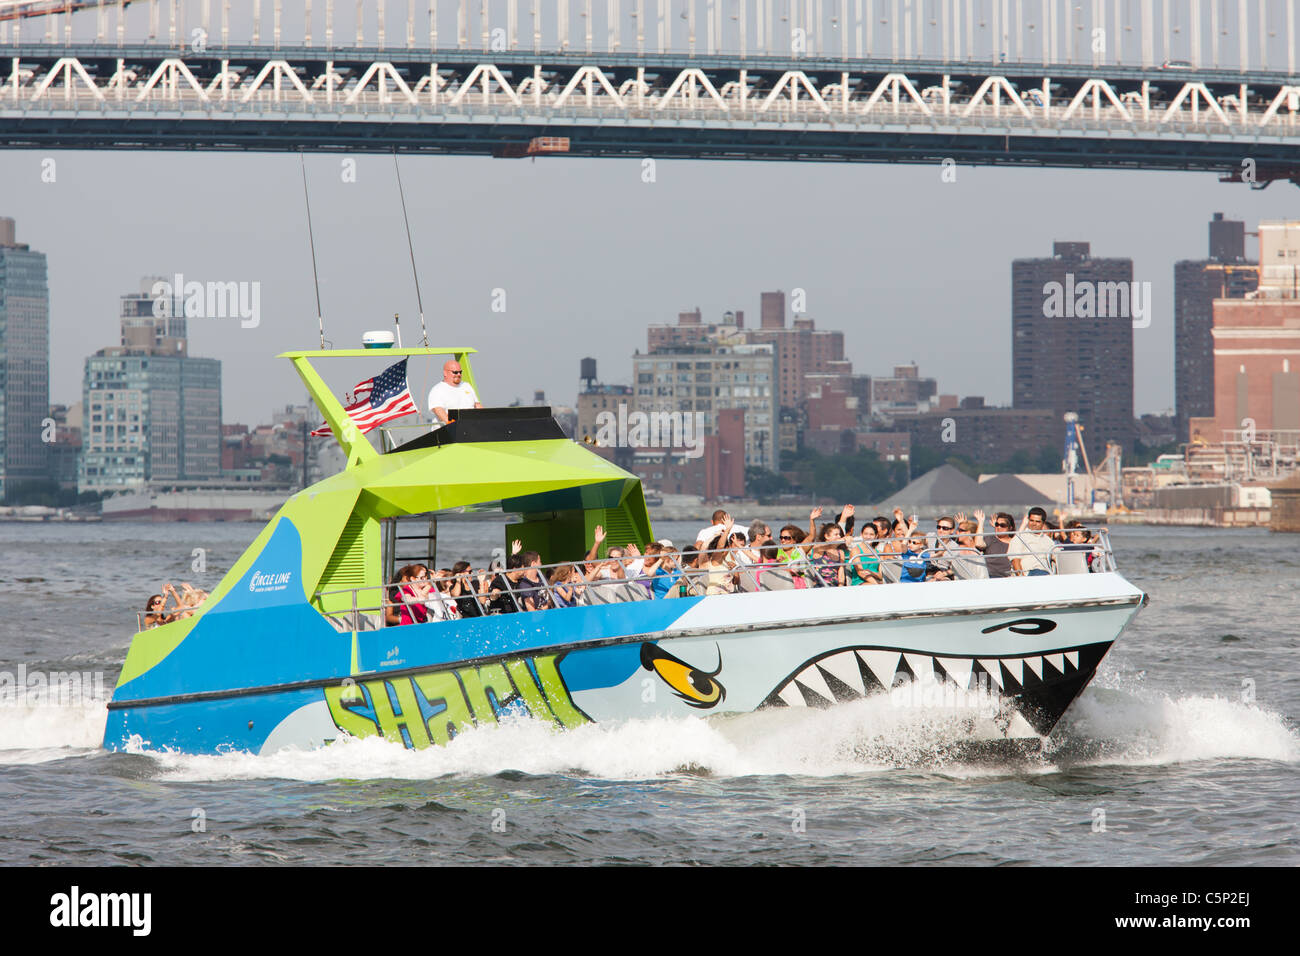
24	9
1108	473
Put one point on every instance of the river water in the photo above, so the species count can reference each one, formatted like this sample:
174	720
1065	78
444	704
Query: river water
1183	751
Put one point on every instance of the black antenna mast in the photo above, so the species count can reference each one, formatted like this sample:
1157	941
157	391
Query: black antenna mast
424	333
312	239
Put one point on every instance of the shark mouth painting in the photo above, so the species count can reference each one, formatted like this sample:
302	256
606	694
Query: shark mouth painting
1038	686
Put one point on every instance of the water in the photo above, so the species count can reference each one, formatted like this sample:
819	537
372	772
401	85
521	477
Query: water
1185	750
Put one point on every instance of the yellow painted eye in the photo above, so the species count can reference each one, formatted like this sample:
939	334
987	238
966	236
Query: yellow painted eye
698	688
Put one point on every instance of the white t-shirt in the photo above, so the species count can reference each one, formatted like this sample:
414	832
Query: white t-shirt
447	396
1034	550
708	534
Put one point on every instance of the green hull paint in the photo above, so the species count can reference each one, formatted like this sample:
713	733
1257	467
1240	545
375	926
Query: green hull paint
460	698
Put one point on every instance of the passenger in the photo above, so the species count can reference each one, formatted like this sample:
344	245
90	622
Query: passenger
743	549
442	604
667	576
944	540
531	587
882	527
154	614
719	568
633	562
650	561
721	522
791	537
826	555
564	585
966	559
190	602
864	563
501	596
1078	555
1031	552
996	548
894	544
915	560
463	591
393	606
760	535
414	593
693	579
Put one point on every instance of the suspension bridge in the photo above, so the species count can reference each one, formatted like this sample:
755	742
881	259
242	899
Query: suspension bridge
1138	84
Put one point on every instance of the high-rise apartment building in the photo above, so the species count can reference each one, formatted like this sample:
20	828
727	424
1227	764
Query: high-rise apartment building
24	362
1072	340
1226	274
708	378
151	412
801	350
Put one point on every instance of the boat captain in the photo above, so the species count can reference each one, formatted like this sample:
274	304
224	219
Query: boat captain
450	393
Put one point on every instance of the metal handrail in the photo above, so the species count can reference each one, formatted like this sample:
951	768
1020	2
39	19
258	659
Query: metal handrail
938	547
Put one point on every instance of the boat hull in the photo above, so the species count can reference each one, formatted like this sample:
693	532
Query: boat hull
1008	655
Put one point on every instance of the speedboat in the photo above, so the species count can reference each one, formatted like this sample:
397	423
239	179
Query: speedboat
291	648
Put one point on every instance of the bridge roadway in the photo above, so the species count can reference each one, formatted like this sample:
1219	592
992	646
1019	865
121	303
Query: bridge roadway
667	106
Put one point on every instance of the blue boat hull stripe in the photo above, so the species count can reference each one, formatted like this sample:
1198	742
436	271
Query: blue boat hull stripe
622	639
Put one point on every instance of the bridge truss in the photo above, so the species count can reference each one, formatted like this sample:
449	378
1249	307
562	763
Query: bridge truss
718	107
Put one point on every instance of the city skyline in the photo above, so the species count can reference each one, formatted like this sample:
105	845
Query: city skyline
570	283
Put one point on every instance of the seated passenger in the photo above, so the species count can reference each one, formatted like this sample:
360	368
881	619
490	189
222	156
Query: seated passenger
1030	553
864	563
719	567
996	547
463	590
413	594
1079	554
666	574
965	558
826	556
532	591
721	522
154	615
501	596
393	604
915	560
565	583
190	602
441	604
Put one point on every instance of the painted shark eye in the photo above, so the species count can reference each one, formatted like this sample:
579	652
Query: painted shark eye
698	688
1026	625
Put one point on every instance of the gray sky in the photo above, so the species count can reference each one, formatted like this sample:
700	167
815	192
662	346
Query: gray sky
588	254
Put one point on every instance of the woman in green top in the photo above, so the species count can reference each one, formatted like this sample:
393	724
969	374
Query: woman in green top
864	563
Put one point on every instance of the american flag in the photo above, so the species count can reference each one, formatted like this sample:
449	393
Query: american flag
378	400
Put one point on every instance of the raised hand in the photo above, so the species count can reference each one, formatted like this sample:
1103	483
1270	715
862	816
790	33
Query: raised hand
599	534
848	511
815	514
633	551
516	546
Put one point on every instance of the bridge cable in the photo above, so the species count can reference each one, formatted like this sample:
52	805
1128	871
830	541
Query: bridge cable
411	248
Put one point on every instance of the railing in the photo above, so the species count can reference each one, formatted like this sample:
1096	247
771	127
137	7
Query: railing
611	580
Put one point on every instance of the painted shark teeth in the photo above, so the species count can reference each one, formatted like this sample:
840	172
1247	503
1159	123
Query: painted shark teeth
850	675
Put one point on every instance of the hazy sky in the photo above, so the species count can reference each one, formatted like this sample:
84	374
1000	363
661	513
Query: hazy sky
588	254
